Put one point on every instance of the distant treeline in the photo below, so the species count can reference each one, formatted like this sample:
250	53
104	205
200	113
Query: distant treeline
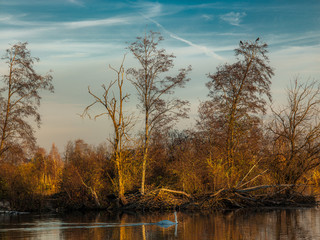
233	144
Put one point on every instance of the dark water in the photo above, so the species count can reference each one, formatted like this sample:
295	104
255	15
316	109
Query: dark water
262	224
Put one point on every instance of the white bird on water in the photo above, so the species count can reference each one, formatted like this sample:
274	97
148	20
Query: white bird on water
167	222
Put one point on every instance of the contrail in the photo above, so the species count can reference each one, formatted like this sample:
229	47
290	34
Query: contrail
203	49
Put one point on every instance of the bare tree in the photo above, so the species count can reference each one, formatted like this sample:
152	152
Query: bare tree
121	123
295	131
152	87
238	93
20	99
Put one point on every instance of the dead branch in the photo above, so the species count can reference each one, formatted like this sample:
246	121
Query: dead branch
218	192
251	189
253	179
92	191
173	191
246	175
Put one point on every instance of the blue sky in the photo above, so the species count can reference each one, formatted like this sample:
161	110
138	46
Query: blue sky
78	39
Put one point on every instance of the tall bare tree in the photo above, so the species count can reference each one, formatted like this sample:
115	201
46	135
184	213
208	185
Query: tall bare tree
20	99
153	85
296	134
122	123
238	93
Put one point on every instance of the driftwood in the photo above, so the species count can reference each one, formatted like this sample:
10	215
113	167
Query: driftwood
246	197
264	187
255	188
222	199
173	191
153	200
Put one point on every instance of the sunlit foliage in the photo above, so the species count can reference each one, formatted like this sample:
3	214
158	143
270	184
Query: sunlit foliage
230	147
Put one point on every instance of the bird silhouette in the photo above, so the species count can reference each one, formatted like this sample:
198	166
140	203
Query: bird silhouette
167	222
241	42
257	39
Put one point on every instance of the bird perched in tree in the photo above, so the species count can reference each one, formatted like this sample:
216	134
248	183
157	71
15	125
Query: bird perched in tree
241	42
257	39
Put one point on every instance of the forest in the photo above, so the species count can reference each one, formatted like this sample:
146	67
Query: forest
239	153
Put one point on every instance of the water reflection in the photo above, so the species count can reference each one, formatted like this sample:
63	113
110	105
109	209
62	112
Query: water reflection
272	224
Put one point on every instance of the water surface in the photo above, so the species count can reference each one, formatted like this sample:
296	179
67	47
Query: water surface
241	224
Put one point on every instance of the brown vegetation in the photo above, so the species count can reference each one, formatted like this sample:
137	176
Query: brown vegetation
230	159
122	124
152	87
295	134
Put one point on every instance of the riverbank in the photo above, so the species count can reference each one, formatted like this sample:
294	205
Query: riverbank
221	200
166	199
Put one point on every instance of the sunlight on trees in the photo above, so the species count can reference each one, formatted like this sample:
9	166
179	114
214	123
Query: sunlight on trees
83	176
27	184
295	134
237	93
231	152
20	100
121	123
152	87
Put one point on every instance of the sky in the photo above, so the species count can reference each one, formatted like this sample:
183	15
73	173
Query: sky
78	39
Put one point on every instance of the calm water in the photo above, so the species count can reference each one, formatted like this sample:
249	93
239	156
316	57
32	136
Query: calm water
271	224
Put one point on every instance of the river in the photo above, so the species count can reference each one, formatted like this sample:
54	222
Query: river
301	223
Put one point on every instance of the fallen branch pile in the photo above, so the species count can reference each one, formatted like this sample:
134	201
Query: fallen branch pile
253	197
159	199
276	196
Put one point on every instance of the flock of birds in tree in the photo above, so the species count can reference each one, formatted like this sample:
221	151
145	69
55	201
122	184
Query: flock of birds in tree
256	41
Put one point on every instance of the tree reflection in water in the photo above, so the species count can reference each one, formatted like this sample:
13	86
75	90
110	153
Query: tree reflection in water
263	224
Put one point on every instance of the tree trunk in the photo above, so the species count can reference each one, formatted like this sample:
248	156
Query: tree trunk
120	180
144	168
145	153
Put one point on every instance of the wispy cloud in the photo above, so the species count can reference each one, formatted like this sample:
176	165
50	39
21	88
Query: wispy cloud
5	18
148	9
233	18
207	17
39	2
76	2
22	34
101	22
16	20
308	38
203	49
59	48
24	28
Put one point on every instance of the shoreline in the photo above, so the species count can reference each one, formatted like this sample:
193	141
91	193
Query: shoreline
167	201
